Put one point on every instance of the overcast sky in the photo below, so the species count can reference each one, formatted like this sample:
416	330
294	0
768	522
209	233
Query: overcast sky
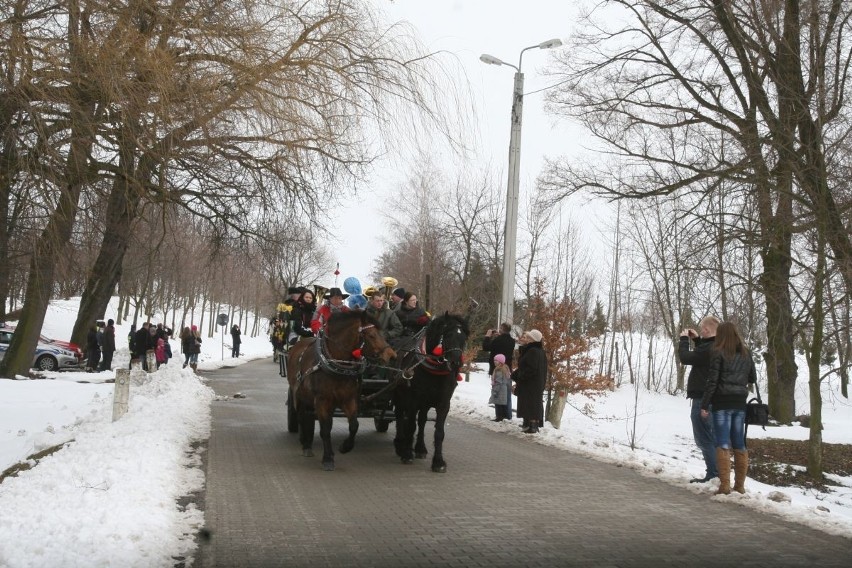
466	29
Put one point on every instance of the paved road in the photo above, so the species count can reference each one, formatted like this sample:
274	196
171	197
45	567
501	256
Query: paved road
505	502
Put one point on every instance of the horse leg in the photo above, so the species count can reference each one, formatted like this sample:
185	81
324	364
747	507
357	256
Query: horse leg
420	451
405	431
306	432
438	463
324	415
351	411
399	402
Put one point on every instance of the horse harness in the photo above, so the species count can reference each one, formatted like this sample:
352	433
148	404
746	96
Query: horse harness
330	365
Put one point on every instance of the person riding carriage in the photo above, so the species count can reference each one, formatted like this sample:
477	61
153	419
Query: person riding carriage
333	304
412	317
303	312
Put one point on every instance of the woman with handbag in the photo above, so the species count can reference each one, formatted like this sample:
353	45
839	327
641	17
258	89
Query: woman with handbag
729	380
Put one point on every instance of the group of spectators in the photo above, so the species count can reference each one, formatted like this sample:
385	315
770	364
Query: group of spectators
529	377
154	338
100	346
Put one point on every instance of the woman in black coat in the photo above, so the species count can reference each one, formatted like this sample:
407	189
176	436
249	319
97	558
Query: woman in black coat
530	378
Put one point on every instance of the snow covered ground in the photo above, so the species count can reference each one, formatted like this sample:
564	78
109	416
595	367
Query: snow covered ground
110	496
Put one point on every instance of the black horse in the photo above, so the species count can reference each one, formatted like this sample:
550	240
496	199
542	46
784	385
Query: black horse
432	386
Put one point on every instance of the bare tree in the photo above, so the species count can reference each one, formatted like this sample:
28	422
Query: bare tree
671	82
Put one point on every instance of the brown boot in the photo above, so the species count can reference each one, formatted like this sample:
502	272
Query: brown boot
194	367
740	470
723	462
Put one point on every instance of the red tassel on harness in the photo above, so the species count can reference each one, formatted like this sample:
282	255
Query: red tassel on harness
459	377
356	353
438	350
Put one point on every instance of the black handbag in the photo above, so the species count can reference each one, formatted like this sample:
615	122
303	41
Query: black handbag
757	413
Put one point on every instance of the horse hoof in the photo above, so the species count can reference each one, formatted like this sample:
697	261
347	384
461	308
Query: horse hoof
421	455
328	466
407	461
439	468
308	453
346	448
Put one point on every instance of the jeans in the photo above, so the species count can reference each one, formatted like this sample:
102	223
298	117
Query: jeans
729	427
702	431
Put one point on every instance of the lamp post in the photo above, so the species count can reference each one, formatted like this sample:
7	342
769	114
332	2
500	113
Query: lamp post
506	311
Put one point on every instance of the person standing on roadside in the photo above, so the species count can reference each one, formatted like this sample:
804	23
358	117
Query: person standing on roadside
235	341
93	349
501	382
699	359
108	346
501	342
729	379
530	377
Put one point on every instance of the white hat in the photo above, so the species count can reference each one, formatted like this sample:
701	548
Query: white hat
534	334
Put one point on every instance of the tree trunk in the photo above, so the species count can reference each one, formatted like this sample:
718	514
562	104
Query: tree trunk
106	272
557	408
54	238
781	369
48	250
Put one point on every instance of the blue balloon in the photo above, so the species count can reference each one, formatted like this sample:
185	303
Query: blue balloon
357	302
352	285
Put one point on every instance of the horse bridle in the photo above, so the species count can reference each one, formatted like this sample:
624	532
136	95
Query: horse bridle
438	364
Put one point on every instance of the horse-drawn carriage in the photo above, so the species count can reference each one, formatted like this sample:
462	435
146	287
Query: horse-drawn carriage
350	370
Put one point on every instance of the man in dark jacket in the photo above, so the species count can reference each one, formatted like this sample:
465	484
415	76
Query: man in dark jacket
503	344
389	323
108	346
141	344
699	359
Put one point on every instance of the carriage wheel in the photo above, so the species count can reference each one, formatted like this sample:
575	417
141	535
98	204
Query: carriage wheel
381	424
292	416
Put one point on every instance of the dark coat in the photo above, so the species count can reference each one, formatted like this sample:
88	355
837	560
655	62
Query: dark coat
141	343
235	336
108	339
301	316
389	323
412	320
530	378
728	382
699	360
499	344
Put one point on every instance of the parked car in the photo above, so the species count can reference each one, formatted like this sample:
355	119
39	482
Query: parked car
50	355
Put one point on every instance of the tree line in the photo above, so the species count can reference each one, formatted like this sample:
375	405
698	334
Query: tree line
218	125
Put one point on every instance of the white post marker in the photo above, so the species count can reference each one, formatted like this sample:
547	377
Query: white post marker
121	395
151	358
137	375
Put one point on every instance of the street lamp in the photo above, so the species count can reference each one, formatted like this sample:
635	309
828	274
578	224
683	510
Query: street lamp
506	311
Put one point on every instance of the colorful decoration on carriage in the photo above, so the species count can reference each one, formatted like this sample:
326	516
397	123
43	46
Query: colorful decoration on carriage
352	285
336	273
357	302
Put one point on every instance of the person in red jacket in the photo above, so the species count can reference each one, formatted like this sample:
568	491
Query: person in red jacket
334	304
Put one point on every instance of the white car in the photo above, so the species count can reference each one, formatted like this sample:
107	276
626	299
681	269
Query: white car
47	357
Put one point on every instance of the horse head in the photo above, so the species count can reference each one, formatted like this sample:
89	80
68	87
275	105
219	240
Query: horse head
446	338
354	332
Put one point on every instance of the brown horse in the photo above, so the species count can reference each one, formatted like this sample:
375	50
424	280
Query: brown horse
324	374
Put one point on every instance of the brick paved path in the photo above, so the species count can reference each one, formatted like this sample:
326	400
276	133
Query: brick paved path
505	502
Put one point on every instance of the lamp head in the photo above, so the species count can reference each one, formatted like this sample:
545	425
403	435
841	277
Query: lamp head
551	43
490	59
